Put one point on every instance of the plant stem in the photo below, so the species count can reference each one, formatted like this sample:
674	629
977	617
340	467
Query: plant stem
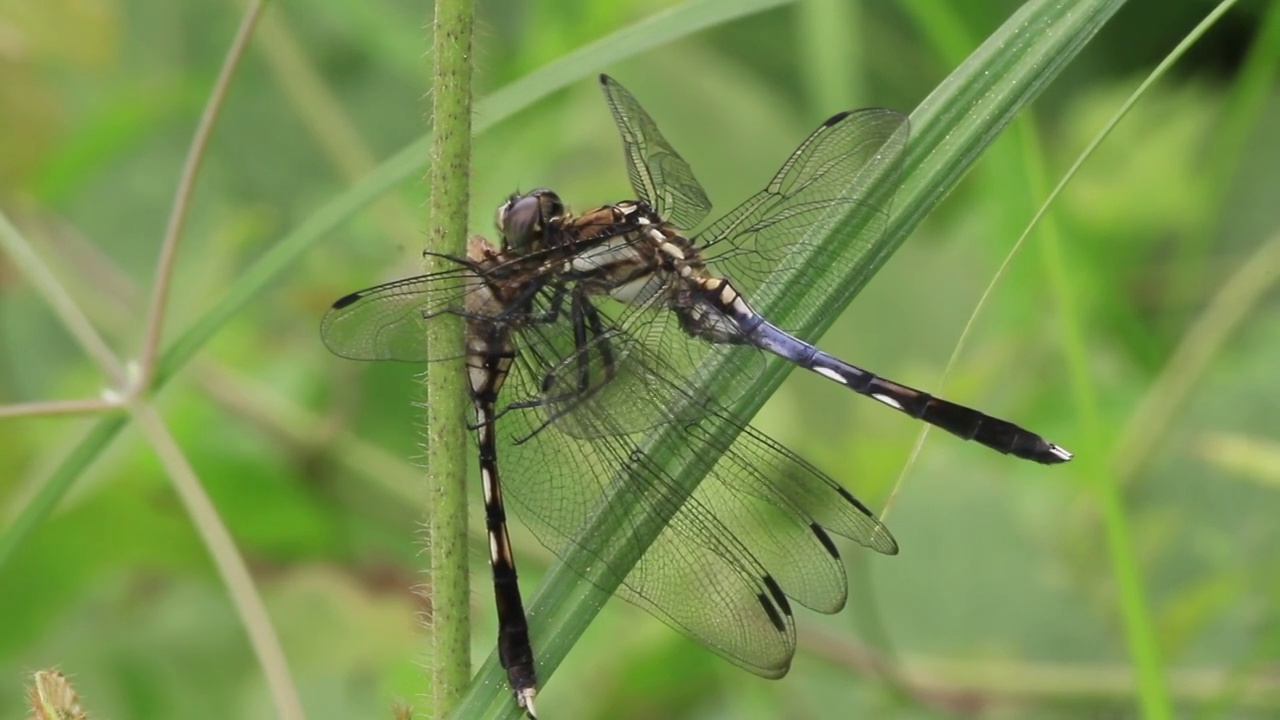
446	511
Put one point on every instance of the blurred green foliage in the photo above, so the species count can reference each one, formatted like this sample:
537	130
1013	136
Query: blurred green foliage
1003	603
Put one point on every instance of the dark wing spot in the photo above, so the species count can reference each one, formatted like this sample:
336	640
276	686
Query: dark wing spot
778	596
772	612
346	300
855	501
825	539
836	118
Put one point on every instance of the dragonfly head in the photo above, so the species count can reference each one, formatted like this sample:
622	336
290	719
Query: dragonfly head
523	218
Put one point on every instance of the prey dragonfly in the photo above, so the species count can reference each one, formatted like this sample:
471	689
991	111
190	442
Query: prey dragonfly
587	333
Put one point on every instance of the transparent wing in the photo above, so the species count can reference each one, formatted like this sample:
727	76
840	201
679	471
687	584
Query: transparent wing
647	392
825	183
590	359
658	174
589	499
387	322
721	569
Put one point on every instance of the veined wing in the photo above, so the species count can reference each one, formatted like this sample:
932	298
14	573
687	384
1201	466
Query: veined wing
386	322
828	181
647	391
658	174
722	566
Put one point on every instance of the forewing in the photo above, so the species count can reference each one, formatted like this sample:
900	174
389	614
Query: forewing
658	174
387	322
825	182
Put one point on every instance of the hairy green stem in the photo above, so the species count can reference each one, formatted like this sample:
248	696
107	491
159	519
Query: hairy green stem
446	512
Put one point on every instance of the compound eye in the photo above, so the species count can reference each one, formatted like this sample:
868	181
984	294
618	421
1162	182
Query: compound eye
519	219
552	207
500	217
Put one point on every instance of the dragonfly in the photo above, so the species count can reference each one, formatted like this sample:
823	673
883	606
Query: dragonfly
587	334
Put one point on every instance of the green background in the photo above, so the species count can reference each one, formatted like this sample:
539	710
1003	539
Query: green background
1003	602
